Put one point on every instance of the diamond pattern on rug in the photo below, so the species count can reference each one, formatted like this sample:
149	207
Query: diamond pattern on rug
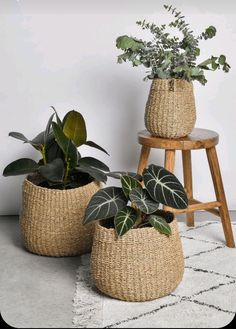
205	298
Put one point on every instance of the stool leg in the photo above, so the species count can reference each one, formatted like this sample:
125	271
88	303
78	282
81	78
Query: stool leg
169	165
143	160
220	195
170	160
188	184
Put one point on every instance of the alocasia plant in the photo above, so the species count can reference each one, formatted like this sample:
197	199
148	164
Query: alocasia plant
134	205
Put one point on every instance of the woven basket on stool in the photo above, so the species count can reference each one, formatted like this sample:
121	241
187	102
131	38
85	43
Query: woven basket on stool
170	109
51	219
140	266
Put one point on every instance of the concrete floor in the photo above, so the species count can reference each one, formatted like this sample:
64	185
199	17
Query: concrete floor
36	291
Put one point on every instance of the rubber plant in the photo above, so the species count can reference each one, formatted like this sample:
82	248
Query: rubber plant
136	203
168	56
61	165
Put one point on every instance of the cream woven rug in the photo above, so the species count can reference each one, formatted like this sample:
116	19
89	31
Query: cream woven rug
206	298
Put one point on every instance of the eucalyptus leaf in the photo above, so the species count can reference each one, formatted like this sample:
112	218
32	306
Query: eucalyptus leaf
20	167
53	171
104	204
160	224
164	187
143	201
128	184
74	128
125	220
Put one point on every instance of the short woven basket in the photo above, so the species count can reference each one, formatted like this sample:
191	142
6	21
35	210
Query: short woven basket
51	219
142	265
170	109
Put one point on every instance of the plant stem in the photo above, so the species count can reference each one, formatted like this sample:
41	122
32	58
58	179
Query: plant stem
66	173
139	220
43	151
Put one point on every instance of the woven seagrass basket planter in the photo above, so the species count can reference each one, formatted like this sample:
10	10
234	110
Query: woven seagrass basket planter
142	265
170	109
51	219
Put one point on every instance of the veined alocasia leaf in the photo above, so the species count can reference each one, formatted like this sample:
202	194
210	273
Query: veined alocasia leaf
160	224
92	144
164	187
128	184
53	171
92	162
21	167
143	201
74	128
105	203
125	220
68	148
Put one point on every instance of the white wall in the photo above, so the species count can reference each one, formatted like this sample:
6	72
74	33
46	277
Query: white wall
63	53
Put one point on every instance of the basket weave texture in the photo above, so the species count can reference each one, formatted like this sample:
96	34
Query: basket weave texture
51	219
142	265
170	108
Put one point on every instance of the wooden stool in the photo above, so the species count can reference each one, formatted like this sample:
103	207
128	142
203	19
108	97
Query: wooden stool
198	139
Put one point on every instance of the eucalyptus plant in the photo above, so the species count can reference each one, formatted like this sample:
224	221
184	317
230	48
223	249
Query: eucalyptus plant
61	165
136	203
169	56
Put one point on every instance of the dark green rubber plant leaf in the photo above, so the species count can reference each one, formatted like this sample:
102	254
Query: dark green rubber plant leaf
105	203
92	144
164	187
57	117
160	224
20	167
92	162
125	220
53	171
36	142
128	184
19	136
74	127
47	130
68	148
143	201
119	174
97	174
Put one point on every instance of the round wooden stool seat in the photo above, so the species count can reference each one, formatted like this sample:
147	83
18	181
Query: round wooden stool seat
198	139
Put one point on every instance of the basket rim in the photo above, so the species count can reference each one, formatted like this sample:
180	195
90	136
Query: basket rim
133	232
51	190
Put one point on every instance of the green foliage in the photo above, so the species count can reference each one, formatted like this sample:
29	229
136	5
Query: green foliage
168	56
134	206
61	166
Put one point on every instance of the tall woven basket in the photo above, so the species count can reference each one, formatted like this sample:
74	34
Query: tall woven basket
170	109
51	219
142	265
